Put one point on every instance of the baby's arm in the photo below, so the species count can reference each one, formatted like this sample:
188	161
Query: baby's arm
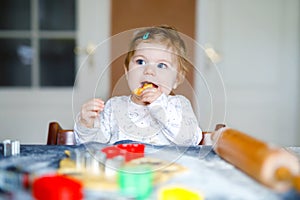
179	123
87	125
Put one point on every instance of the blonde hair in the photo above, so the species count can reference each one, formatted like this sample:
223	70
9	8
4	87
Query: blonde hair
165	35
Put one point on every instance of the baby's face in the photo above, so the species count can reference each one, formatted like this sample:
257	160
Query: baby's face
153	63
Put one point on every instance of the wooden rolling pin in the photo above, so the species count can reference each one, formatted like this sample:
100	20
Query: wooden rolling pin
272	166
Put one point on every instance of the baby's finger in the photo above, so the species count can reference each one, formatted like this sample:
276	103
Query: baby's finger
149	90
150	96
88	117
95	102
98	100
91	115
94	107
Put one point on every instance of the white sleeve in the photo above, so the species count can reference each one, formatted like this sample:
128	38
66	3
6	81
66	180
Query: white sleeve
101	132
177	118
82	133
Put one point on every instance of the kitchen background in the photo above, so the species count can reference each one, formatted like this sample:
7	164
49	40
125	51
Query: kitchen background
56	54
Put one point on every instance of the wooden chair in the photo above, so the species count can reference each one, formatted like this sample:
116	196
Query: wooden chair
59	136
206	135
206	138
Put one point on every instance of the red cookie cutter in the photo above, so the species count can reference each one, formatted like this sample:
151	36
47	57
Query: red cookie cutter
128	151
57	187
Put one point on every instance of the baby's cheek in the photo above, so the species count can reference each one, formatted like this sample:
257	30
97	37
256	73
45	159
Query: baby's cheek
168	84
166	90
133	82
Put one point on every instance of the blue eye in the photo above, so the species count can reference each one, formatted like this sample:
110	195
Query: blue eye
162	65
140	62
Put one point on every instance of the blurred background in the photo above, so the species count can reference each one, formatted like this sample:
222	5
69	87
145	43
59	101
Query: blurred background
56	54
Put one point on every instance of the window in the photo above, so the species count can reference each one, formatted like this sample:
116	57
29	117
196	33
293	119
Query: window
37	40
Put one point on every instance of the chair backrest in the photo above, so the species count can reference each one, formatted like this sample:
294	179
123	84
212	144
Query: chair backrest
59	136
206	138
206	135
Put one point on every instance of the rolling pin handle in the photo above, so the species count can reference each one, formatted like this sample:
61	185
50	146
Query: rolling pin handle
218	126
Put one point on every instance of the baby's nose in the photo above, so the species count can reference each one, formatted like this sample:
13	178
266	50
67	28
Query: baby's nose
150	69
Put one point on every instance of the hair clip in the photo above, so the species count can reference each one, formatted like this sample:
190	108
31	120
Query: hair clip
146	36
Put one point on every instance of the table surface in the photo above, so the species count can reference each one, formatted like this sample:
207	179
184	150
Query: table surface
207	173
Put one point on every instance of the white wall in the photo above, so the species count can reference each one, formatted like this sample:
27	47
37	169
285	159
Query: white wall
26	113
259	45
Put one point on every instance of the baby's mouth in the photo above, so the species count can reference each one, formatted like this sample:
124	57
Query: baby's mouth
144	85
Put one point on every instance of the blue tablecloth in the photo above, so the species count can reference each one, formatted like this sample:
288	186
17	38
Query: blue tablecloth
207	173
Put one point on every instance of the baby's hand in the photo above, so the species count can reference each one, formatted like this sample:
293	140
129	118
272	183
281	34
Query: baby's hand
149	95
89	112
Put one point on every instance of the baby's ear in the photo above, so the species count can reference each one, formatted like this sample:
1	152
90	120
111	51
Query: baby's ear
125	71
175	85
180	78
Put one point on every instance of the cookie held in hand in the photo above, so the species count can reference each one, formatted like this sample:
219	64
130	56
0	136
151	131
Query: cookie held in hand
144	86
